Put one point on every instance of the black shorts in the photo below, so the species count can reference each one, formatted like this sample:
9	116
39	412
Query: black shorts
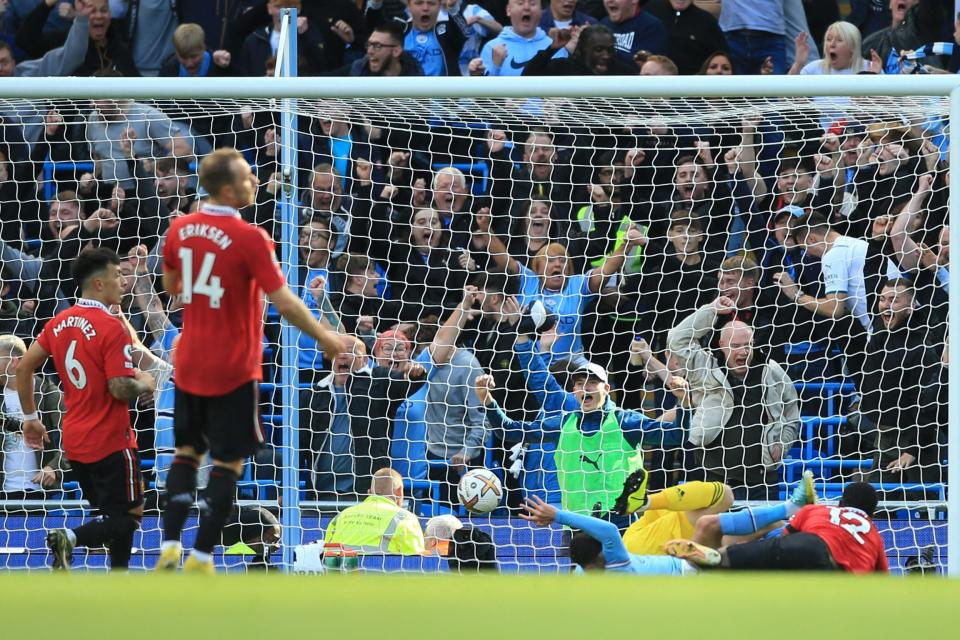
112	484
795	551
227	426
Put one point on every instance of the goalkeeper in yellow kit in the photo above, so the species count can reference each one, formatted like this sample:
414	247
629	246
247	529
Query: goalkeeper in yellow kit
698	511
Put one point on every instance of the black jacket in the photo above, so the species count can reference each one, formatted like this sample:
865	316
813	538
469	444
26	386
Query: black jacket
256	49
898	371
370	393
431	286
321	14
679	289
923	25
350	306
692	34
544	64
877	195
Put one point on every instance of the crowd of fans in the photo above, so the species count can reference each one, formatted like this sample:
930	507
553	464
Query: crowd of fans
695	271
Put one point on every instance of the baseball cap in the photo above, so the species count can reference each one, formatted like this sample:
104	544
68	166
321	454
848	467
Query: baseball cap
792	209
593	370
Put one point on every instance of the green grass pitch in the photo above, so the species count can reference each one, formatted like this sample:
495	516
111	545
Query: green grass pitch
174	607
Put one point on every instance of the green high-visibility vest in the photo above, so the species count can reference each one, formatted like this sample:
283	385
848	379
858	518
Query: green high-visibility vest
239	549
591	469
376	525
634	262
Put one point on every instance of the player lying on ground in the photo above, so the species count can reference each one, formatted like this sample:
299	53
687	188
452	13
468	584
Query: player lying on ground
92	351
698	511
598	546
818	538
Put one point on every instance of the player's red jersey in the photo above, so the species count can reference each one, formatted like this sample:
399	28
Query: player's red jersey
89	346
225	264
851	536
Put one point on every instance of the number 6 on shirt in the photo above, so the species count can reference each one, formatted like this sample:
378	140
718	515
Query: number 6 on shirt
75	371
205	284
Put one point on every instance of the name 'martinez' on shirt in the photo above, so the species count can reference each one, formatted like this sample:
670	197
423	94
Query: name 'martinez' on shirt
76	321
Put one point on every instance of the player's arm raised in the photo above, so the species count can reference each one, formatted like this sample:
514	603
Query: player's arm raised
292	308
34	433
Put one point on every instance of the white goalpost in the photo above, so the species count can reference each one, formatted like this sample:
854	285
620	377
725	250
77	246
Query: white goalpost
355	176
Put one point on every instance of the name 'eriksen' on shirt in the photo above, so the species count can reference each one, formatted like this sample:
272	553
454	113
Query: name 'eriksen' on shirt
76	321
208	231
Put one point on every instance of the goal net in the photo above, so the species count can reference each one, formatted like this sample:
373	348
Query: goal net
761	284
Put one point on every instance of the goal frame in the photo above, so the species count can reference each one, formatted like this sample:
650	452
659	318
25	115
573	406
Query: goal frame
289	89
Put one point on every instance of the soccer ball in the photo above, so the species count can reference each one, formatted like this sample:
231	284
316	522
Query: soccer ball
479	491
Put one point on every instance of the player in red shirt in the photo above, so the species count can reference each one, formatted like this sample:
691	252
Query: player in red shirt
818	538
220	266
91	350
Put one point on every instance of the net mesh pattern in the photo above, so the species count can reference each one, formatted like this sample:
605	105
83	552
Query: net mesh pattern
727	262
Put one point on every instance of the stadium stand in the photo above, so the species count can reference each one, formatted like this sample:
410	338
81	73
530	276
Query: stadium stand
443	204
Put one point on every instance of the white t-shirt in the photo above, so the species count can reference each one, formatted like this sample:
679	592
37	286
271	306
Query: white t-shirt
842	268
19	461
815	68
274	41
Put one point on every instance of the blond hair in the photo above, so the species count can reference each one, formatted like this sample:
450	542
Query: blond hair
12	346
744	264
850	34
668	65
386	482
188	38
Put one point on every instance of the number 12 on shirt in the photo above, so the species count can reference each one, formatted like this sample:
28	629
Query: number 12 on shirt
855	524
205	284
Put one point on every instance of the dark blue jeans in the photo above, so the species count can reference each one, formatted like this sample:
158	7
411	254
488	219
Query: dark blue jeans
748	49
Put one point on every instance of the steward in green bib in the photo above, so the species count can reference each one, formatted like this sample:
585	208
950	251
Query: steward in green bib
379	524
601	239
598	443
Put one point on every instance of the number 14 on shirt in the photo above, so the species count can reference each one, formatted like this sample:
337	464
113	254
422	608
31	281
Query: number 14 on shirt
205	284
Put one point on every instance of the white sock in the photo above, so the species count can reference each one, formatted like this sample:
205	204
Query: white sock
72	537
201	556
169	544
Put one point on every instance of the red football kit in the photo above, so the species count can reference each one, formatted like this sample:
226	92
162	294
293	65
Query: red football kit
89	346
225	265
851	536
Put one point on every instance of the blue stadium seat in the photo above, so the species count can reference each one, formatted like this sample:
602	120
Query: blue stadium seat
814	429
823	467
51	168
